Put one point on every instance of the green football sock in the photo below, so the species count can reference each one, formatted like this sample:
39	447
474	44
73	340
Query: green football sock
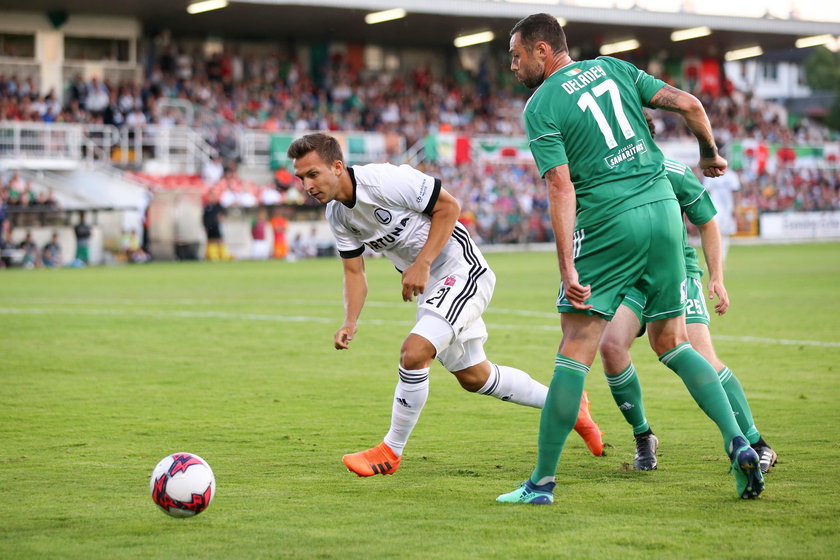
740	406
702	382
558	416
627	393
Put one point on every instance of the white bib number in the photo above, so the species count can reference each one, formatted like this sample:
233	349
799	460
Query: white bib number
587	101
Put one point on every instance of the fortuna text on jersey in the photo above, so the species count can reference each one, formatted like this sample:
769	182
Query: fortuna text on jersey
385	240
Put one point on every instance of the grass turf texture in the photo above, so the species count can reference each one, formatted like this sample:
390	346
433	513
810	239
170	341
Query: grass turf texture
107	370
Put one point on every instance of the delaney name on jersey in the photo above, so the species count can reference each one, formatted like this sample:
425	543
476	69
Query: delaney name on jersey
584	78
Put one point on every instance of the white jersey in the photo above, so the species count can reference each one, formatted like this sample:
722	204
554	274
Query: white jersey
720	190
390	214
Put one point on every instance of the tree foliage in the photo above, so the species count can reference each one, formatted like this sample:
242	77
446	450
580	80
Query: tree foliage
822	72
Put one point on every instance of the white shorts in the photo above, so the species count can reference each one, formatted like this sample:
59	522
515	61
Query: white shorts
455	353
460	296
449	312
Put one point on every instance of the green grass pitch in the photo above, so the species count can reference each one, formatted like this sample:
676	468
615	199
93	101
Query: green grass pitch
106	370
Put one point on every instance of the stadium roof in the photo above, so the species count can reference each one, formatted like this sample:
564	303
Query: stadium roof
437	22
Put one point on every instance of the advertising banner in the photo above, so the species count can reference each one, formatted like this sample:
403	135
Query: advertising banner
800	225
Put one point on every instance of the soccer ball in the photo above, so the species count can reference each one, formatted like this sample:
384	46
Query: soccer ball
182	485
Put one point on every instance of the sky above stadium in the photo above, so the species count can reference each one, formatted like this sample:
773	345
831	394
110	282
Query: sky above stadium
812	10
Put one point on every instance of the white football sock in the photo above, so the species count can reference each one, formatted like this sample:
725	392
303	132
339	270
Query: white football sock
409	398
514	385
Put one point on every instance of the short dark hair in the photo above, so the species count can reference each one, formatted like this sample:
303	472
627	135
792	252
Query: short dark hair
541	27
324	145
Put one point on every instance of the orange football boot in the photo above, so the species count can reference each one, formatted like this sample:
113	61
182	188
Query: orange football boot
376	460
588	429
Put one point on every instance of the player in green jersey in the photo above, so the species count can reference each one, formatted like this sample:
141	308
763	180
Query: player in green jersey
629	319
617	226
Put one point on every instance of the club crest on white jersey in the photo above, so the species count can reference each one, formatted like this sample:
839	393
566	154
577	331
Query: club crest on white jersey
390	214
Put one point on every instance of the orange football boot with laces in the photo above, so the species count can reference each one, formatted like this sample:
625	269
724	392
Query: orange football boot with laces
376	460
588	429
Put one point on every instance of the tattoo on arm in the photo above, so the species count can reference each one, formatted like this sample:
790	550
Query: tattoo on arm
552	173
666	98
707	150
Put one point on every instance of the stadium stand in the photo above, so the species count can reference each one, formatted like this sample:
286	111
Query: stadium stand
200	120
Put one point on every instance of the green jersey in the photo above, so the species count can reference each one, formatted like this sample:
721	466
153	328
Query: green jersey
589	115
695	202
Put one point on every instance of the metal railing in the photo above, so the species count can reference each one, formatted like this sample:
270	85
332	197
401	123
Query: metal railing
255	146
179	149
173	149
43	141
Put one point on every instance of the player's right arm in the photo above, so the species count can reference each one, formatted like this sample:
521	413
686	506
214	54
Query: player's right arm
562	203
355	292
692	111
547	146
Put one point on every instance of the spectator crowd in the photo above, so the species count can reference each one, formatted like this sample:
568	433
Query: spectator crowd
502	202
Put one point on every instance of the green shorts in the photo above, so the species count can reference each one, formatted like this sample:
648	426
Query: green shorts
82	252
695	303
639	248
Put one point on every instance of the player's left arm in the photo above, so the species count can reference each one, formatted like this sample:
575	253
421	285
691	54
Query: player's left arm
713	251
444	215
692	111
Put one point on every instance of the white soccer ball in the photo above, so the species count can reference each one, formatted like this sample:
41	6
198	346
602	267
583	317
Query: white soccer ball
182	485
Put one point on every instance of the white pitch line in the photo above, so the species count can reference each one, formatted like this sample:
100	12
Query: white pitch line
336	320
784	341
165	314
305	302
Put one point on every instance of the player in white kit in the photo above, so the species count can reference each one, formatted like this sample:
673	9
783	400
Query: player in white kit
407	216
722	190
